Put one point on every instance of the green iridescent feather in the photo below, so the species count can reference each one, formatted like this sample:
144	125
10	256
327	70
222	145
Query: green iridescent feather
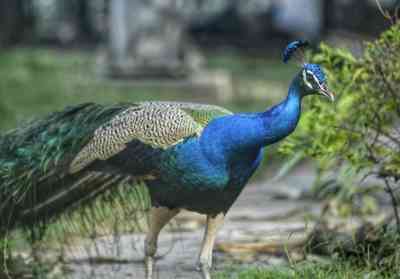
36	154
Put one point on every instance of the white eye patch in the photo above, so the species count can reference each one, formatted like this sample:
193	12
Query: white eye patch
307	82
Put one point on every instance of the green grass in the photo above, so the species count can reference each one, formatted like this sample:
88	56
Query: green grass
307	271
252	68
37	81
34	82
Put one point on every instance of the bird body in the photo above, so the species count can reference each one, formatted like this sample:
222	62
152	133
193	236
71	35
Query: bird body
190	156
207	173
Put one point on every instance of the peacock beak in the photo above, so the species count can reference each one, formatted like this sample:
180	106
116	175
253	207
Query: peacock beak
323	89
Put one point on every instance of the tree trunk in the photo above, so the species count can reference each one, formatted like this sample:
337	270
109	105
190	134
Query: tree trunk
147	39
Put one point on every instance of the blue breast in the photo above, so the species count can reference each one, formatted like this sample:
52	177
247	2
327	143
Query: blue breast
207	173
190	180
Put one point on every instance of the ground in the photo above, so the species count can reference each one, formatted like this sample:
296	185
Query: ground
256	233
263	237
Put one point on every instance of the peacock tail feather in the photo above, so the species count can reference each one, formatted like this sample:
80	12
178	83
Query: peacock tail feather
34	160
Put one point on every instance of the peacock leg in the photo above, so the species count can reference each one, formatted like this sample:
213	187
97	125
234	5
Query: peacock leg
159	217
205	260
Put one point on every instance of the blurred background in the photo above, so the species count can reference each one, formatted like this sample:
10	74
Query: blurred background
58	52
54	53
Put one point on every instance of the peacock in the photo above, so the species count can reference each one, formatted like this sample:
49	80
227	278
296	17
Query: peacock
190	156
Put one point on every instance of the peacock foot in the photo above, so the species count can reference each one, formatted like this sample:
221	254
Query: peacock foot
205	269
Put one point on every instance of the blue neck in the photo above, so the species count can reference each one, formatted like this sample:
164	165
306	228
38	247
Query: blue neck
240	135
281	120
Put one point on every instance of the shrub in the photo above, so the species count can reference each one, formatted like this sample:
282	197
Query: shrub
361	131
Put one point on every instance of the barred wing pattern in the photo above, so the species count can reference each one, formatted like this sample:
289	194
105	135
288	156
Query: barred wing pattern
158	124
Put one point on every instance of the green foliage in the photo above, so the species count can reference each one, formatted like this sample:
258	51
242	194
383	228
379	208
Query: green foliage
360	131
379	250
357	136
335	270
373	247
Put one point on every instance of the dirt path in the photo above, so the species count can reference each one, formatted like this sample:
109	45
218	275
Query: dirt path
257	222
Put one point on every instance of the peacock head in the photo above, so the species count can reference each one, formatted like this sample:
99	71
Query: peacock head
311	77
313	81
